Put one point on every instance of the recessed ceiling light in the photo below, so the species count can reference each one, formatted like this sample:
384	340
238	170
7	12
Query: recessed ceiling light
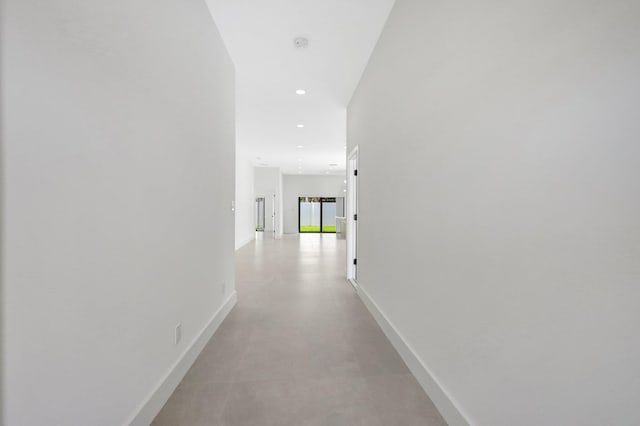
300	146
300	92
345	181
300	126
299	167
344	190
345	147
300	160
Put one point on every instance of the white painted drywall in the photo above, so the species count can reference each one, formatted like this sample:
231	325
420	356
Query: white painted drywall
268	182
118	181
245	199
295	186
508	134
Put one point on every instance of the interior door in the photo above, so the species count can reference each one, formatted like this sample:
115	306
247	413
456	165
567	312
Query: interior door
273	216
352	217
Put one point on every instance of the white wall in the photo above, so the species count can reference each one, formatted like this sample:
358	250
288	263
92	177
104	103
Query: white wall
508	132
118	182
295	186
245	199
268	182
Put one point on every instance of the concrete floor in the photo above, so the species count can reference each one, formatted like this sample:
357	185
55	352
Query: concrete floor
299	348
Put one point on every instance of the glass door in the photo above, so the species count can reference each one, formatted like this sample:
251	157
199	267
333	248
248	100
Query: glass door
260	214
328	215
317	214
309	211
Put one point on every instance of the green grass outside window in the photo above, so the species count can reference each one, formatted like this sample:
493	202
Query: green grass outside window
317	229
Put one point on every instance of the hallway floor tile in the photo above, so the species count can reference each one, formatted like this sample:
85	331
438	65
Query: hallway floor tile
299	348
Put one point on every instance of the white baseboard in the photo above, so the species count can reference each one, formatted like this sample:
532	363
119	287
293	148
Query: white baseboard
353	283
448	408
156	400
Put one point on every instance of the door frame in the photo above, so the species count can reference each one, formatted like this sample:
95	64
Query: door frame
352	211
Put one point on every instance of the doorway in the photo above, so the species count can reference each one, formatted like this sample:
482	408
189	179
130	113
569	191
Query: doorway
260	209
352	217
318	214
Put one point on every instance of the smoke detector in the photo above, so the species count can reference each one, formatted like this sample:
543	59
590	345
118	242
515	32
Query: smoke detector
300	42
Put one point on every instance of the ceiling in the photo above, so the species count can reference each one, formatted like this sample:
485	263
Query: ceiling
269	69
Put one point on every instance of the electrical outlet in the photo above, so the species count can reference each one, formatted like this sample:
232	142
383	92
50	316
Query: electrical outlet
178	334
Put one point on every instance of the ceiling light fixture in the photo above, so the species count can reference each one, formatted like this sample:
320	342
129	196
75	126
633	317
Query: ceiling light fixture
300	126
300	146
300	92
300	42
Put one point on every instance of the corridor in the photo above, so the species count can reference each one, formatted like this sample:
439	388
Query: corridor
299	348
